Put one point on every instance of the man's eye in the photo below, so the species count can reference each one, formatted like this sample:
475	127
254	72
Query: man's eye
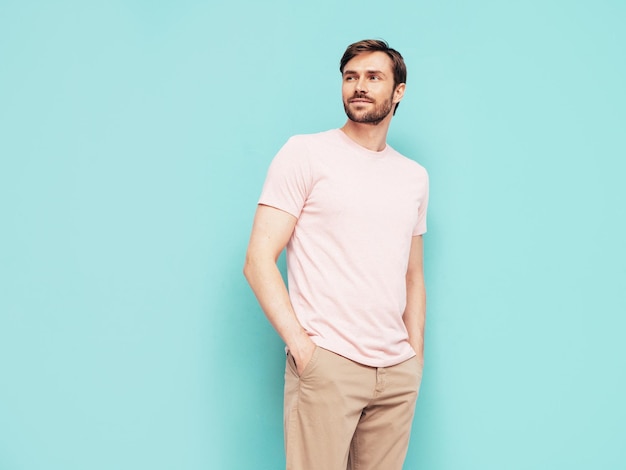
374	77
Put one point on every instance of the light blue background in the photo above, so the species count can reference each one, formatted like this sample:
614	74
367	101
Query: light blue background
134	140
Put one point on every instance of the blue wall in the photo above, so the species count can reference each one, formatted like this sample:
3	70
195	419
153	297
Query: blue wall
134	140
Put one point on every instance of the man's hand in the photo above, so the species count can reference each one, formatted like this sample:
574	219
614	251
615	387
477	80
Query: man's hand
302	352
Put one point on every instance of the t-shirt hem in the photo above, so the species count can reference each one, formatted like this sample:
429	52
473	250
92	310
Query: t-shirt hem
279	207
387	361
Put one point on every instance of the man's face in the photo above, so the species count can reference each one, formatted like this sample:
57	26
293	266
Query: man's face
367	91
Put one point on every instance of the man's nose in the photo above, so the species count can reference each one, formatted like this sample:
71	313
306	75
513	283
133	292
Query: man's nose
361	85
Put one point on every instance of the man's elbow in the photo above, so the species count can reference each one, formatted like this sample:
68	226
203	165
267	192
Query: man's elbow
248	267
253	265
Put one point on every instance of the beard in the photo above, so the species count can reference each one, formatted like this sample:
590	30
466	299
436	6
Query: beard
375	116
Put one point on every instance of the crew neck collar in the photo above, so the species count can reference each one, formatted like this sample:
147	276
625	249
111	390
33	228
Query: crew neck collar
358	146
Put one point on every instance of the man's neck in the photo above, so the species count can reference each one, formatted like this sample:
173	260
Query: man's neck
371	136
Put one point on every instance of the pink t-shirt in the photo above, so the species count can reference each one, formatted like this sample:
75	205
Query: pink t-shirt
357	212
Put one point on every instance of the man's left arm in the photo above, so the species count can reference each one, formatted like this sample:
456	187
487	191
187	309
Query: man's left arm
415	312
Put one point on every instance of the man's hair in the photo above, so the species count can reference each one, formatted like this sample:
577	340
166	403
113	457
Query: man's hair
375	45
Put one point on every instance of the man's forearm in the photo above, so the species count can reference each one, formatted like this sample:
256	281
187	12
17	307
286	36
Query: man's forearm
416	334
270	290
415	315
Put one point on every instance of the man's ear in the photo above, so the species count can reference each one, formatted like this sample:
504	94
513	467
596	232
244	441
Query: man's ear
398	93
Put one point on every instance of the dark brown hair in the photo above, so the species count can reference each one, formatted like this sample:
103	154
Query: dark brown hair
374	45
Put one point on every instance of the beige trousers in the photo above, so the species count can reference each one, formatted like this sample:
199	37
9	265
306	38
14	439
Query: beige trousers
343	415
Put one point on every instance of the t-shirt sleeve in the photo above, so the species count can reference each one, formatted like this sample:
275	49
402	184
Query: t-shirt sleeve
288	180
420	226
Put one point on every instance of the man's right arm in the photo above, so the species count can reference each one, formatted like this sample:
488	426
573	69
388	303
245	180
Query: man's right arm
271	231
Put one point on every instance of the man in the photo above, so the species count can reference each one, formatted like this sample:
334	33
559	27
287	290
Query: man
351	212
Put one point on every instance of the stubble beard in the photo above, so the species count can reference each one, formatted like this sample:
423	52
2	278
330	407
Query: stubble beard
375	116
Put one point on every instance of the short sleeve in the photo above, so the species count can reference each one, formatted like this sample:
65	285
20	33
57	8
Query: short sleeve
288	180
420	225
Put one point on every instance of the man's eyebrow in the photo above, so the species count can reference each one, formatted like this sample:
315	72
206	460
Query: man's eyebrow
370	72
